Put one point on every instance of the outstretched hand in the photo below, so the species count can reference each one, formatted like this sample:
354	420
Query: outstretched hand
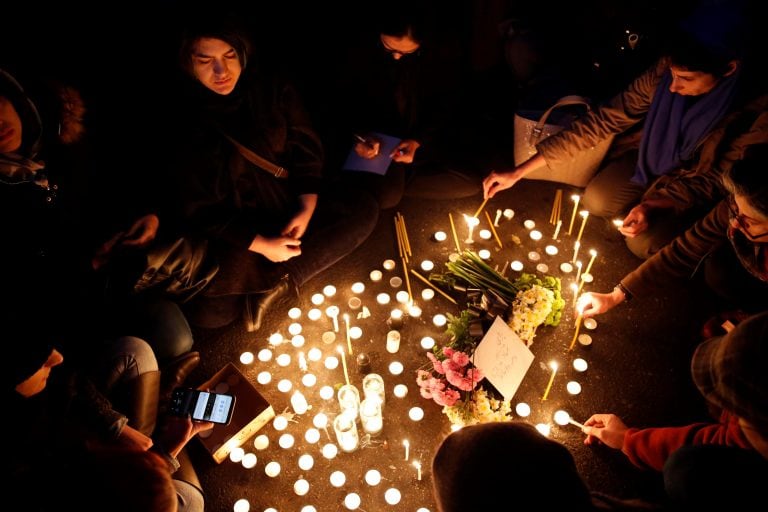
592	303
498	181
608	429
635	222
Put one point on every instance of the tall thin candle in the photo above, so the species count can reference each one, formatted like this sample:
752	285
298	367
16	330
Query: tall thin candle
346	327
344	364
481	207
576	198
593	255
557	228
584	216
579	318
453	230
553	365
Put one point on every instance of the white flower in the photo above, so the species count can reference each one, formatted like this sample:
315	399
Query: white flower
529	310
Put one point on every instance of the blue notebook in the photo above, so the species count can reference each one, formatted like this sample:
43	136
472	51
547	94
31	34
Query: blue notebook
380	163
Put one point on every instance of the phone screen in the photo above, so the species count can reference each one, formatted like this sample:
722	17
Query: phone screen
203	405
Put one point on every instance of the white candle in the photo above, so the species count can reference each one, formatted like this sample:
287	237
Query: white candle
440	236
286	441
427	294
484	254
358	287
275	339
338	478
529	224
331	362
427	265
301	487
298	341
498	217
417	465
395	367
309	380
580	365
578	270
355	332
427	342
312	435
566	268
542	268
242	505
535	235
306	462
314	314
326	392
299	402
314	354
543	428
320	420
284	385
472	222
388	264
551	250
302	362
283	360
573	387
383	298
237	454
354	303
592	256
265	355
376	275
272	469
402	297
352	501
264	377
395	281
373	387
372	477
485	234
509	213
329	290
618	223
392	496
329	451
317	299
401	390
439	320
261	442
416	413
407	446
575	198
346	431
246	357
523	410
370	415
585	339
517	266
328	337
393	341
534	256
576	246
557	229
294	313
590	323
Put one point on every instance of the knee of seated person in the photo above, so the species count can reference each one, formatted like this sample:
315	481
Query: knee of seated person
600	203
167	329
643	246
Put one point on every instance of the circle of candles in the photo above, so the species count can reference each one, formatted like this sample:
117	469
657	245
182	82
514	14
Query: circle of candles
585	339
395	367
566	267
516	265
241	505
264	377
283	359
375	275
590	323
439	320
298	341
337	478
561	417
534	256
317	299
523	409
440	236
264	355
329	451
314	354
306	462
326	392
535	235
542	267
427	265
312	435
352	501
427	294
358	287
427	342
401	390
237	454
284	385
393	341
529	224
388	264
484	254
414	311
543	429
372	477
416	413
294	313
551	250
573	387
392	496
580	365
246	357
484	234
280	423
314	314
272	469
286	441
509	213
301	487
395	282
331	362
320	420
261	442
354	303
275	338
355	332
294	329
383	298
328	337
249	460
329	290
309	380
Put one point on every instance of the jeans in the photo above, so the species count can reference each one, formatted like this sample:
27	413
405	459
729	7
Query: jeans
122	360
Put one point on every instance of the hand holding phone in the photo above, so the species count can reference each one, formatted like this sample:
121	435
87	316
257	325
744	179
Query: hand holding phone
202	405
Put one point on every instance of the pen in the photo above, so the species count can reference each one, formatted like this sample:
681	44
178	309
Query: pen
362	139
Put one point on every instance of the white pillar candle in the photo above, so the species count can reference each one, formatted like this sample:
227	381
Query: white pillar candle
534	256
393	341
301	487
329	290
320	420
338	478
261	442
355	332
509	213
331	362
294	313
249	460
373	387
358	287
388	264
272	469
414	311
294	329
306	462
542	268
372	477
400	390
328	337
590	323
497	218
402	297
566	268
395	367
246	357
299	402
529	224
392	496
370	415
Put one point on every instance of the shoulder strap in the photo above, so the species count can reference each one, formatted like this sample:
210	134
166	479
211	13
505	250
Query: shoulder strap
565	100
273	169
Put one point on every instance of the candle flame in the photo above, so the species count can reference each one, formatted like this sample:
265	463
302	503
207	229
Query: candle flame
584	213
553	365
575	197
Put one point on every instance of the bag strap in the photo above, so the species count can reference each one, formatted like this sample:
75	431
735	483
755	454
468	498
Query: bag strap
260	162
562	102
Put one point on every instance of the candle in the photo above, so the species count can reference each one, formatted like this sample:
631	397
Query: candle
453	230
349	400
523	410
346	329
333	313
275	339
485	234
306	461
261	442
393	341
566	267
329	290
576	246
363	362
550	250
358	287
543	268
372	477
563	418
573	387
553	365
427	294
535	235
592	256
557	228
543	429
326	392
338	478
590	323
440	236
272	469
416	413
401	390
427	265
237	454
301	487
580	365
314	314
299	402
509	213
283	360
312	435
286	441
484	254
242	505
384	298
402	297
471	223
576	333
370	415
284	385
576	198
417	465
392	496
516	266
346	431
355	332
352	501
344	364
329	451
388	264
439	320
354	303
395	367
246	357
529	224
498	217
395	321
376	275
585	340
302	362
578	271
427	342
395	282
298	341
407	446
314	354
264	377
534	256
317	299
373	387
584	215
265	355
482	205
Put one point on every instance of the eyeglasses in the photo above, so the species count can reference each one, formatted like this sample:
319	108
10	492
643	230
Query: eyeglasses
742	220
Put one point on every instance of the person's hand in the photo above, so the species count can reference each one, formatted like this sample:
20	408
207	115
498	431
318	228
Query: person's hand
176	431
133	439
605	428
591	303
368	149
297	226
405	151
636	221
498	181
141	232
277	249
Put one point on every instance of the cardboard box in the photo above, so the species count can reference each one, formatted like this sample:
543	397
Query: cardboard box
252	411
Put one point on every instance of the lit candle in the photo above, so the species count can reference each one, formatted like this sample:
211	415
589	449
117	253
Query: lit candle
384	298
265	355
242	505
509	213
440	236
393	341
388	264
580	365
417	465
314	314
344	364
534	256
261	442
542	268
298	341
427	265
373	387
590	323
566	267
302	362
576	333
264	377
576	246
498	217
529	224
557	228
618	223
376	275
563	418
284	385
283	360
551	250
370	415
584	216
299	402
407	446
471	223
573	387
485	234
358	287
553	365
395	320
439	320
306	461
317	299
338	478
416	413
578	270
246	357
523	410
272	469
592	256
333	313
286	441
401	390
576	198
392	496
484	254
346	328
427	294
309	380
329	290
329	451
237	454
373	477
535	235
517	266
395	367
352	501
346	431
427	342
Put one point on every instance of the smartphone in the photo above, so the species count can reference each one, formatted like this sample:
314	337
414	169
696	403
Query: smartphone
203	405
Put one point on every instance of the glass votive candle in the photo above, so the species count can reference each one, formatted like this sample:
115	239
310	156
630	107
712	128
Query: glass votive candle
358	288
400	390
329	290
393	341
317	299
427	342
346	431
373	387
580	365
427	265
284	385
246	357
375	275
439	320
349	399
427	294
370	415
485	234
440	236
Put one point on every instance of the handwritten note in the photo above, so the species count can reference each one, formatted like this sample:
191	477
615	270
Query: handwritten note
503	357
380	163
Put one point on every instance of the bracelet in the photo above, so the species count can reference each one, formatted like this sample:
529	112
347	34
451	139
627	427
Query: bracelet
623	289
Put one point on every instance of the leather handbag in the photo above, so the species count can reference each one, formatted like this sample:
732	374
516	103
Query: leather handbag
529	131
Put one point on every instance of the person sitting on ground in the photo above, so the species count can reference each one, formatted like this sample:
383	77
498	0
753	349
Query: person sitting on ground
682	123
729	371
728	245
252	182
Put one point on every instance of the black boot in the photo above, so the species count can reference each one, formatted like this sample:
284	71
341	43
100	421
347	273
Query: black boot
257	304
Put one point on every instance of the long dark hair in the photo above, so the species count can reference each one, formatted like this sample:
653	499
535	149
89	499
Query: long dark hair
748	178
225	29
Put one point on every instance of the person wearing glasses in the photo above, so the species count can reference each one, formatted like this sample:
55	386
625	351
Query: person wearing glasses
727	246
397	81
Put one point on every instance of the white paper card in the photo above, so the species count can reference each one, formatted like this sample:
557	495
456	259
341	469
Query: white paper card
503	358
